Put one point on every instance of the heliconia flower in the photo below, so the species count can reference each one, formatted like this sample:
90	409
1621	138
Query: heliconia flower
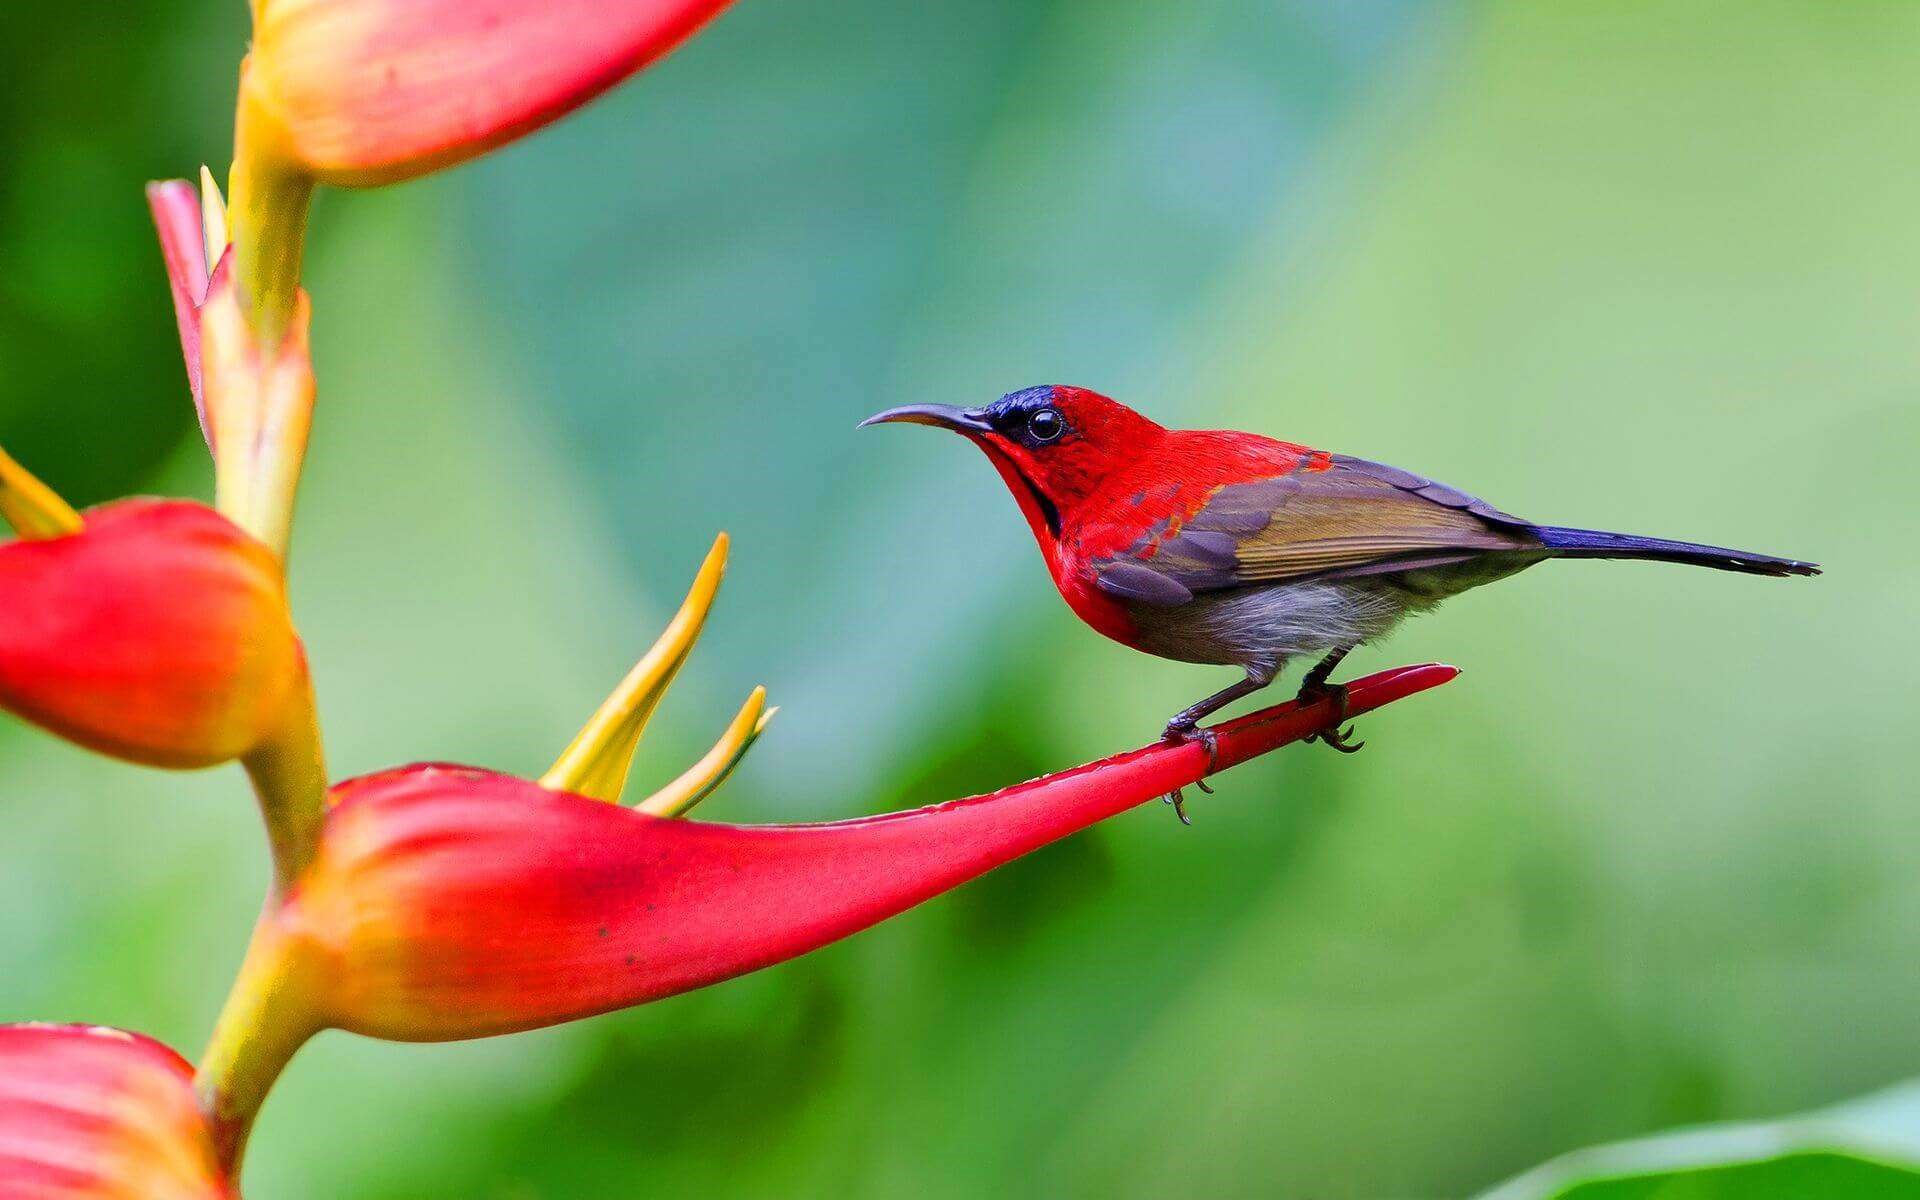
361	92
88	1113
440	902
447	902
275	1004
151	630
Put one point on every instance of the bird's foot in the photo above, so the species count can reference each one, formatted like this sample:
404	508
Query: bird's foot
1332	736
1177	732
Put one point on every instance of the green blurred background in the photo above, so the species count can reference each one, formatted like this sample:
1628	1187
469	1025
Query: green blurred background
1653	860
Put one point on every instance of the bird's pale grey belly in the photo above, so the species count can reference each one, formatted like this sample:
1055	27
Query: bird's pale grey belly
1259	628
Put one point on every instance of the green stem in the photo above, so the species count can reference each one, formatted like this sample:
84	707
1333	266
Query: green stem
269	1014
289	777
267	217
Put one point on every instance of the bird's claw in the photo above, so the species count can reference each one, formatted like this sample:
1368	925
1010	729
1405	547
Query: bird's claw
1337	739
1332	736
1177	732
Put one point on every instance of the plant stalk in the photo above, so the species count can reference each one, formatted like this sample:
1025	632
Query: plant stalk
267	218
269	1014
289	777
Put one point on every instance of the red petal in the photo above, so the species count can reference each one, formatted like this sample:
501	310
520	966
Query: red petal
176	216
448	902
368	91
88	1113
159	633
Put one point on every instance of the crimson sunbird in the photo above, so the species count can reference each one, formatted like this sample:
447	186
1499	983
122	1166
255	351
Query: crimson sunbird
1214	546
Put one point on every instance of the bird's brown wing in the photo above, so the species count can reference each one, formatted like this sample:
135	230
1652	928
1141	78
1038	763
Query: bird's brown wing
1348	517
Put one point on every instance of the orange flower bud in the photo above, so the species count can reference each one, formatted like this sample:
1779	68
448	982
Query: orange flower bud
88	1113
158	633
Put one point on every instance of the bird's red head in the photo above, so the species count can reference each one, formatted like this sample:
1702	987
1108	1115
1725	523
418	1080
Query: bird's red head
1054	445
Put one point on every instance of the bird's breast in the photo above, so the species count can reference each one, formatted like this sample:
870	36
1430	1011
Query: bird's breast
1098	609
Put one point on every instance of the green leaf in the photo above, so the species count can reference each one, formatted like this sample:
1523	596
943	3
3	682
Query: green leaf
1863	1150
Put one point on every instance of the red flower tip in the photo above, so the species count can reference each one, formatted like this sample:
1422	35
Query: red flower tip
447	902
158	633
88	1113
369	91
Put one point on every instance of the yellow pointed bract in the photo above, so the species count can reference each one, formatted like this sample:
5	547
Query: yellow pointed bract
213	218
31	507
701	779
596	763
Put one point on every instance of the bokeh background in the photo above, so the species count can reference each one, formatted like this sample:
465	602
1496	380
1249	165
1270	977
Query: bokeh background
1653	860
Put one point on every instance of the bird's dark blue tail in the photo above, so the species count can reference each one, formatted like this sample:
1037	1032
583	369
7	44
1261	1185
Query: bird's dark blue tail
1594	543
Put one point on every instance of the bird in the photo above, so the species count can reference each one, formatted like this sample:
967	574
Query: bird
1234	549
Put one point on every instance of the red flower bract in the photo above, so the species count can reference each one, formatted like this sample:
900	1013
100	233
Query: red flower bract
88	1113
159	633
369	91
176	217
447	902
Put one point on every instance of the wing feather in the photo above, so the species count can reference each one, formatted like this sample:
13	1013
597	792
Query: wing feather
1350	517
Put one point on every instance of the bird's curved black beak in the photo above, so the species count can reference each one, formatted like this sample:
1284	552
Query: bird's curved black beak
945	416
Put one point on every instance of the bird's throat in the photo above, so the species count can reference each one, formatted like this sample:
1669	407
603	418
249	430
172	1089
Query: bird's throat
1041	512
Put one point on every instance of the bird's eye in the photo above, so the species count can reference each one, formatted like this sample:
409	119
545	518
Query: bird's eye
1046	425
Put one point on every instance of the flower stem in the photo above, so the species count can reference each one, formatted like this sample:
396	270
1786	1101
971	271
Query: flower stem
267	216
289	776
269	1014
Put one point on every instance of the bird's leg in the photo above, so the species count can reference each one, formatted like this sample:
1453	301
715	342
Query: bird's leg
1315	687
1185	727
